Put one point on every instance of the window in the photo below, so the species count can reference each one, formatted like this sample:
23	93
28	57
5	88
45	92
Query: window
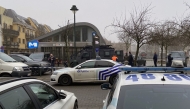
11	39
18	40
23	41
6	57
19	29
107	54
89	64
78	34
111	93
19	59
16	99
5	26
84	34
23	30
104	64
44	93
151	96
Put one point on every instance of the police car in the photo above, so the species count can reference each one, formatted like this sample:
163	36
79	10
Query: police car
30	93
157	88
95	70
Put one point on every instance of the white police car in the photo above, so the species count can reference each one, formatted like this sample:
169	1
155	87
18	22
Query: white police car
29	93
89	71
158	88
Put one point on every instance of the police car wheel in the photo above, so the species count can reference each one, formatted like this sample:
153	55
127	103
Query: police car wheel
65	80
112	79
76	105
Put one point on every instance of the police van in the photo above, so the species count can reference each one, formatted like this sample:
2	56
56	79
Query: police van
88	52
156	88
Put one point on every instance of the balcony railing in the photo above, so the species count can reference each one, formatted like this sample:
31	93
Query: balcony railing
9	44
29	36
10	32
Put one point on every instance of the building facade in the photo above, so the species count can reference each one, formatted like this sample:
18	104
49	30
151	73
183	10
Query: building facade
54	41
16	31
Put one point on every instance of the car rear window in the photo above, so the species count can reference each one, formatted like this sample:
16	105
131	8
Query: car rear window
154	97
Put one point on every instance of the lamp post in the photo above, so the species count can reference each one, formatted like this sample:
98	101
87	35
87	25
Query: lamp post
74	9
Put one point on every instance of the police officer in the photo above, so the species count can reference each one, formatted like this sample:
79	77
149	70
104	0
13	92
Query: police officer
169	60
51	59
114	58
155	57
130	59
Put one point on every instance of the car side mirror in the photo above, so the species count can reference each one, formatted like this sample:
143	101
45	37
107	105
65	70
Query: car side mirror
105	86
79	67
62	95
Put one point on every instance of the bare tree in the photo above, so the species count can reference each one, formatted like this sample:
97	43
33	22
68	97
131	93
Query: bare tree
66	31
136	27
183	34
164	35
124	38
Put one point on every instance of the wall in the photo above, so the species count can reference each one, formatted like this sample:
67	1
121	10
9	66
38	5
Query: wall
2	10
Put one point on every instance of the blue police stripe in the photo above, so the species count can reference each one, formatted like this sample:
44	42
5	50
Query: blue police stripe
107	72
124	68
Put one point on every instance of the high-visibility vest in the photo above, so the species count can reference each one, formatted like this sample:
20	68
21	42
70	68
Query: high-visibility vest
114	58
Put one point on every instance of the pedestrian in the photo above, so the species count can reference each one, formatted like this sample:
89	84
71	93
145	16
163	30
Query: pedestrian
58	62
130	59
169	60
126	58
155	58
114	58
65	64
51	59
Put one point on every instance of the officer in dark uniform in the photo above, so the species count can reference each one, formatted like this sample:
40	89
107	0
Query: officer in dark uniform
169	60
130	59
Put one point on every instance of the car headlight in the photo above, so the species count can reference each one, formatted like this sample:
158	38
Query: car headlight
55	73
17	69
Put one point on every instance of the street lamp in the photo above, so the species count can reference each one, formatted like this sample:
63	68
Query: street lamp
74	9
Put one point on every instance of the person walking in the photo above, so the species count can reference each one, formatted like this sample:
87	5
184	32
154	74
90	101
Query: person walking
130	59
114	58
51	59
170	58
126	59
155	58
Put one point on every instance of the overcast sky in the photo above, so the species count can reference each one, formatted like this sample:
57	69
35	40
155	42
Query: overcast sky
98	12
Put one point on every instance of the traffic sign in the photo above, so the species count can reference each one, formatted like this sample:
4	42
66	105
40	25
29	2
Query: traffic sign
97	49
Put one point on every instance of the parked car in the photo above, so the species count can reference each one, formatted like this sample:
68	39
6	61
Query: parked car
30	93
180	55
23	53
40	56
35	66
141	61
10	67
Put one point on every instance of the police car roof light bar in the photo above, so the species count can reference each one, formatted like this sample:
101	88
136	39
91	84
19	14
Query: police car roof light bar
139	69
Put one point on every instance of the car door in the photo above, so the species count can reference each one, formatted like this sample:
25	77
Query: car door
85	71
47	97
101	69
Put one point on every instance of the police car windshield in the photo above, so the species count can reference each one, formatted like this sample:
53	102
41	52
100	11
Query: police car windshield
154	97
